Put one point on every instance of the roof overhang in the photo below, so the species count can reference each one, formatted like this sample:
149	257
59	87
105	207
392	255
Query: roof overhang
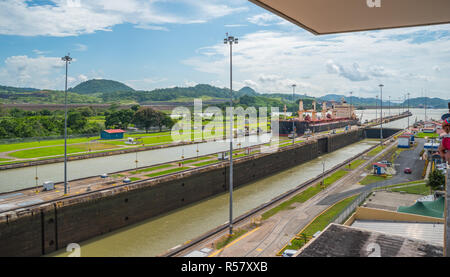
339	16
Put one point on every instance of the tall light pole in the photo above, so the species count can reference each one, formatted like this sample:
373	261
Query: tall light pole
351	103
389	105
408	109
381	113
293	112
67	59
231	40
376	110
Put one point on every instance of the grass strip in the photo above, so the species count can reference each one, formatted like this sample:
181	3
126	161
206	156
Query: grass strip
370	179
305	195
318	224
375	151
196	160
355	164
206	163
167	171
420	189
228	239
152	168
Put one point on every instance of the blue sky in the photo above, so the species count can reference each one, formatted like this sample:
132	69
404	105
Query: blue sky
151	44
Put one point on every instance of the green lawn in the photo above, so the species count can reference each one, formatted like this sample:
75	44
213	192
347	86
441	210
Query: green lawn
405	184
429	135
167	171
197	160
370	179
152	168
59	150
356	164
206	163
25	145
320	223
375	151
421	189
305	195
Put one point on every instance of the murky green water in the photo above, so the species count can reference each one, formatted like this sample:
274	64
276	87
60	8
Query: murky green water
155	236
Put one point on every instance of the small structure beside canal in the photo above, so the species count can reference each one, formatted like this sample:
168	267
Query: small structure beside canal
112	134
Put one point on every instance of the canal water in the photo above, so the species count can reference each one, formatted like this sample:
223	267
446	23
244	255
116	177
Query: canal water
155	236
417	114
20	178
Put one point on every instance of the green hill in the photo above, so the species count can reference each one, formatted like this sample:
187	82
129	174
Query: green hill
100	86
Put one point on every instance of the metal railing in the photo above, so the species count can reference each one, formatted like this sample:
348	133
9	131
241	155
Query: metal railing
341	217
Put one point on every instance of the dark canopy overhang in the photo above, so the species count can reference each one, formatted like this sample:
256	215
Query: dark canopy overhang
339	16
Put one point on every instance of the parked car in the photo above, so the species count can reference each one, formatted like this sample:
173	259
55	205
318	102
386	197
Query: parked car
289	253
408	170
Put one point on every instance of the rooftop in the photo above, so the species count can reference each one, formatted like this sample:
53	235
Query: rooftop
331	16
343	241
429	232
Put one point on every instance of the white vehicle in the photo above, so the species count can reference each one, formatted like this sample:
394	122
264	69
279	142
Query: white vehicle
289	253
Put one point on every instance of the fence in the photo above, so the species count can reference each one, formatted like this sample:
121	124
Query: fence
340	218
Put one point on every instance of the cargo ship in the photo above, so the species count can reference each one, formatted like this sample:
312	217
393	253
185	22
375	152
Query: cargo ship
308	121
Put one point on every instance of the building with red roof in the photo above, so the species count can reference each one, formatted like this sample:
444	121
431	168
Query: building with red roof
112	134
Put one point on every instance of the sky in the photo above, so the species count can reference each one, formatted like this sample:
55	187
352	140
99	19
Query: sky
149	44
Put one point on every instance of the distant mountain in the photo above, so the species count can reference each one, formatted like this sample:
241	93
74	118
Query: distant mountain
248	91
108	91
429	102
14	89
100	86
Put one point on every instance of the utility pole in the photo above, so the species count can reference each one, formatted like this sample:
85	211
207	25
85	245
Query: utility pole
67	59
381	114
231	40
376	110
389	105
293	112
408	109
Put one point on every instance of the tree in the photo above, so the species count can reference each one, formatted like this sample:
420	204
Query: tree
146	118
135	108
76	121
119	119
436	180
163	120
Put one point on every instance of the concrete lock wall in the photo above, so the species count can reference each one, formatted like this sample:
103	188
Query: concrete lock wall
44	229
375	133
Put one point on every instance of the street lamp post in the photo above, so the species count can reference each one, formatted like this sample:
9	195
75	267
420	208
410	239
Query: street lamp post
381	113
351	104
67	59
376	111
293	112
231	40
389	106
408	109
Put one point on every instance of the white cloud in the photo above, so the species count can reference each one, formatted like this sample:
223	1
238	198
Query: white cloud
265	19
39	52
272	60
37	72
60	19
81	47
